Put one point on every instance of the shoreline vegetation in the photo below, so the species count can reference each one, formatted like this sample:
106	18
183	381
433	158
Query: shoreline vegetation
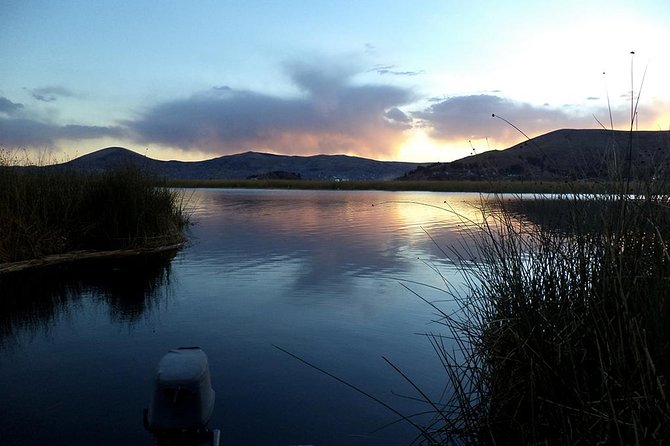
562	334
50	217
485	187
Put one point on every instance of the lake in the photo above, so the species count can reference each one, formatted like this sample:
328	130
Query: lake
317	273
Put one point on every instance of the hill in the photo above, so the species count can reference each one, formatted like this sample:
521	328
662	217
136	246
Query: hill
566	154
246	165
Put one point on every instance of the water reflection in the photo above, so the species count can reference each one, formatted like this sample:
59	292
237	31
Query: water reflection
314	272
325	239
129	287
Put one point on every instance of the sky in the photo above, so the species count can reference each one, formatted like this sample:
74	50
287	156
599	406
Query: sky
409	81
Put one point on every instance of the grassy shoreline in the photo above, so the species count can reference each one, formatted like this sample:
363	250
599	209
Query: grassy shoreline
516	187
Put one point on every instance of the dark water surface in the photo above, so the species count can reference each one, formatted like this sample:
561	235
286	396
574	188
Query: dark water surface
317	273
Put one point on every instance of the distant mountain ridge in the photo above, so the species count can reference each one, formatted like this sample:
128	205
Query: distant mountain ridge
246	165
567	154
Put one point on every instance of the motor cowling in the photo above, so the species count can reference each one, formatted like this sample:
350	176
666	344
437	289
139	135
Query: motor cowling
182	400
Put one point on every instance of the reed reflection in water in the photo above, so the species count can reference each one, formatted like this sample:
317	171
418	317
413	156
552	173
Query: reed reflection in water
129	287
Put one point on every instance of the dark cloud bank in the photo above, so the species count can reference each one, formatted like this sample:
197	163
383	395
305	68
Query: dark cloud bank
17	133
18	129
470	117
333	114
8	107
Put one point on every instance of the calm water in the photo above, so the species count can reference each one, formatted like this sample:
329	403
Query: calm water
317	273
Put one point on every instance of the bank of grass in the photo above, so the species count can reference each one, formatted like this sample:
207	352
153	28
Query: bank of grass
47	212
551	187
563	336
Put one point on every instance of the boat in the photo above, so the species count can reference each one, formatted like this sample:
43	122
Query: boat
182	400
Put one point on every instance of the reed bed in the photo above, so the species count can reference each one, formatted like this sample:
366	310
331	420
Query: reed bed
47	211
563	333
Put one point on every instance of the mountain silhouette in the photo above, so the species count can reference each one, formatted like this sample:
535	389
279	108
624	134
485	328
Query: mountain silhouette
245	165
566	154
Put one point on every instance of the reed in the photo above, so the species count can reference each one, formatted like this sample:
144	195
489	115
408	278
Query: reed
46	211
563	332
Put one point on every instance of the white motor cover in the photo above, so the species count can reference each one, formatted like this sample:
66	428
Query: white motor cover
183	398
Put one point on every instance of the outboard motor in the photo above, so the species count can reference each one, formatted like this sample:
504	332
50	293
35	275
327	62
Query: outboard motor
182	401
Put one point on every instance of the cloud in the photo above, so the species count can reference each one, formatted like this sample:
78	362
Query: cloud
8	107
470	117
332	115
389	69
399	118
21	127
50	94
23	132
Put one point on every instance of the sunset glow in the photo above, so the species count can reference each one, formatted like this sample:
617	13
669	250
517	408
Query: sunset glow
378	79
421	147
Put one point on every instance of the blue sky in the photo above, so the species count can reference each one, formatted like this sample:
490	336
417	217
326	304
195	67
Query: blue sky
414	81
